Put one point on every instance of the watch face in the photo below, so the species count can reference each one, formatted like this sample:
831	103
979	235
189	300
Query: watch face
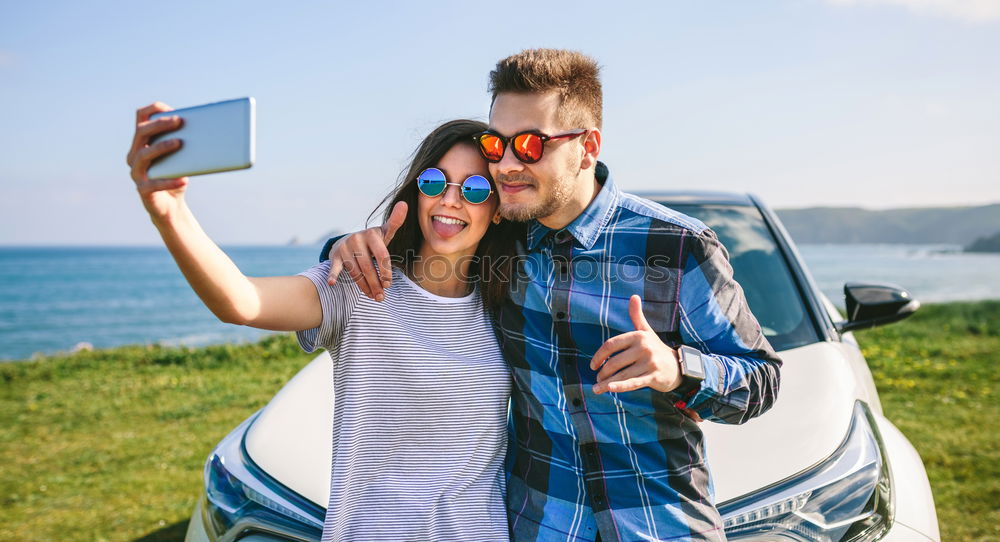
696	365
693	364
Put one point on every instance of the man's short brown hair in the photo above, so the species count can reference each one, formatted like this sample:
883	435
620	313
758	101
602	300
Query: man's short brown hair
574	75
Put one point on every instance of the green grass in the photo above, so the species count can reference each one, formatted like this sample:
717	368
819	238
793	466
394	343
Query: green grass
109	445
937	375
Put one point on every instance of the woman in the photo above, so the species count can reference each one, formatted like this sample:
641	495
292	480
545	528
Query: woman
421	388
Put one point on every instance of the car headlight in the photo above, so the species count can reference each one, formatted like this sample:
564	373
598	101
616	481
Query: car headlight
241	498
847	497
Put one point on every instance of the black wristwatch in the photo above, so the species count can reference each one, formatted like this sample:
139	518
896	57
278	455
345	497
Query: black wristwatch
692	370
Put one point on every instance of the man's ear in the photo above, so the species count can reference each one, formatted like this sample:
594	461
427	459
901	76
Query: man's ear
591	149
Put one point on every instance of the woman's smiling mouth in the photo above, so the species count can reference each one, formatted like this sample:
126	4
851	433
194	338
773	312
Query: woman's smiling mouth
446	226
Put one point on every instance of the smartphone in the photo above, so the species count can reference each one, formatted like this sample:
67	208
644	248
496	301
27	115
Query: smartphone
216	137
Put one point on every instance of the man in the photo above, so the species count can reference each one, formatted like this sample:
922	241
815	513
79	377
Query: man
623	327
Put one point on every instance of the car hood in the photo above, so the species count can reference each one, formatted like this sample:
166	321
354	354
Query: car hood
291	438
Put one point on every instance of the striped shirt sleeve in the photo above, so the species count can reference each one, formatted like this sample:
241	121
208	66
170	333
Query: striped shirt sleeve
741	367
338	302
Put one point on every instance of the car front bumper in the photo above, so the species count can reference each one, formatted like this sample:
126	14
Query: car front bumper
196	527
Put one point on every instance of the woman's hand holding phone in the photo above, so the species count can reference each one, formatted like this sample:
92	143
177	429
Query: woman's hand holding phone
161	197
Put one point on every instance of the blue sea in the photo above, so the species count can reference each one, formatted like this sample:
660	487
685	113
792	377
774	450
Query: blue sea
52	299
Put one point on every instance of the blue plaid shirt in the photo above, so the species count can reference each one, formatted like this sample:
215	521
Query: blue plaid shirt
629	466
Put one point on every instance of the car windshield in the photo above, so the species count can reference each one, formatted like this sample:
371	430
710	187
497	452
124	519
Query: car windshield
761	269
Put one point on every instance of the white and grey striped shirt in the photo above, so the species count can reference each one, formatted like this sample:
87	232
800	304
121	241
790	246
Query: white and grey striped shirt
420	412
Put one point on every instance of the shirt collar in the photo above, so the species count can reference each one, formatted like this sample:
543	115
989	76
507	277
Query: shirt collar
588	226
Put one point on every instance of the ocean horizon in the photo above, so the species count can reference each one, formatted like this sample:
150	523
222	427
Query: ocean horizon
57	298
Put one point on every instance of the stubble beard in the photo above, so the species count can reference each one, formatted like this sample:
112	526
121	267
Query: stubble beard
559	194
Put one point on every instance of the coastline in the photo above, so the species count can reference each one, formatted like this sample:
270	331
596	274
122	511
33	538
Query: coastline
136	295
183	344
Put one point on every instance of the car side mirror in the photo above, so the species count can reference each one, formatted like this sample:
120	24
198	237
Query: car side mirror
870	305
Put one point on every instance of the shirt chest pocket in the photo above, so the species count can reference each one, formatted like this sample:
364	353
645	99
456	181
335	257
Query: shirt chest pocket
643	401
654	410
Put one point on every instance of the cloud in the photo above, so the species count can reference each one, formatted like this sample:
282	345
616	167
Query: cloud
976	11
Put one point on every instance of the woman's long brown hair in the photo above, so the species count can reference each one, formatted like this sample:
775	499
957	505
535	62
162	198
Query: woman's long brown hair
494	262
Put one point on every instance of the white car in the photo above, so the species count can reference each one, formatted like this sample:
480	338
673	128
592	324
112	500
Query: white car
823	464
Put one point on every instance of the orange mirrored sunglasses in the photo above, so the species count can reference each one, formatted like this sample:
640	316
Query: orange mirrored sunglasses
527	146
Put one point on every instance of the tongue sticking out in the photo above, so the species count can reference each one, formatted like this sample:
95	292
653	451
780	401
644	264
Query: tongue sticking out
446	230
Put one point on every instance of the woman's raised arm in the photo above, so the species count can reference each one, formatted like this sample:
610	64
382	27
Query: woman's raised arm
275	303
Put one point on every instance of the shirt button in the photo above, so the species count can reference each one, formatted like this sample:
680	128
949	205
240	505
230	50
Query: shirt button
561	236
560	315
598	499
577	402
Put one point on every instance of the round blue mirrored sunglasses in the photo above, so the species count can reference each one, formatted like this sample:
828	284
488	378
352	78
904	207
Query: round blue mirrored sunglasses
475	188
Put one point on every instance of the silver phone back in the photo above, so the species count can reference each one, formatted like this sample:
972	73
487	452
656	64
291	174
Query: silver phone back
216	137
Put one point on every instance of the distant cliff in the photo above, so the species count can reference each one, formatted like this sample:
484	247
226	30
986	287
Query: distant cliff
932	225
985	244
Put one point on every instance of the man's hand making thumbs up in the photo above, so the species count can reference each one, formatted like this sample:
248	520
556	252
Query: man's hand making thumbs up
355	254
637	359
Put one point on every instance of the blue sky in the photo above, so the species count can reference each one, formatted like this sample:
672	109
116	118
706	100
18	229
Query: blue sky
872	103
